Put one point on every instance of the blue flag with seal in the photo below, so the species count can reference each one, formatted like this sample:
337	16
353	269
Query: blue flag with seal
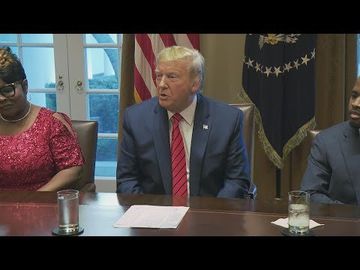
279	79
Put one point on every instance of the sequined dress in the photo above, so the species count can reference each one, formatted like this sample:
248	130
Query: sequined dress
30	159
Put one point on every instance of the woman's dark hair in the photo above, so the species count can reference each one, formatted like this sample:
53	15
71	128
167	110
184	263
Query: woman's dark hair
11	69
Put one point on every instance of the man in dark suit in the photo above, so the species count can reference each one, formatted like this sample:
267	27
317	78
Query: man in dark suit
333	172
215	153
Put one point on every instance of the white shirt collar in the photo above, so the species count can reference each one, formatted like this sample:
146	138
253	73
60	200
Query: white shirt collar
189	113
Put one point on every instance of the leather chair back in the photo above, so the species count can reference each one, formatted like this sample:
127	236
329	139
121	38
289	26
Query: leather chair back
87	133
309	140
249	133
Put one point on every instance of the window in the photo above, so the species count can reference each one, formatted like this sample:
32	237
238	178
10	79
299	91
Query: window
78	74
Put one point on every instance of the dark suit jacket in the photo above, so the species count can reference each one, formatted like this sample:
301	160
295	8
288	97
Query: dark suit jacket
218	160
333	172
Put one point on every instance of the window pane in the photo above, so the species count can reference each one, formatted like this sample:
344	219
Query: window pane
105	110
102	68
7	38
101	38
37	38
106	155
43	99
15	50
39	67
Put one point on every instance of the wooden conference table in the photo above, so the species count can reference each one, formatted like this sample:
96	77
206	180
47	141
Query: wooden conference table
35	214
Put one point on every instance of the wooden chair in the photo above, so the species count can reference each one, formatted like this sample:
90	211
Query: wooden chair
87	136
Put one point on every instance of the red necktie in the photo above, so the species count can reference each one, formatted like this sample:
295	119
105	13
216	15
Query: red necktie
178	162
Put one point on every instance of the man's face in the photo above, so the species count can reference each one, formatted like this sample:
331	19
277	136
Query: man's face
175	85
354	105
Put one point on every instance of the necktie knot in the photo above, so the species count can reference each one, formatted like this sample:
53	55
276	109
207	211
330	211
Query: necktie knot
176	118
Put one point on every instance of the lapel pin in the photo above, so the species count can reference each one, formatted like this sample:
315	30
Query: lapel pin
205	126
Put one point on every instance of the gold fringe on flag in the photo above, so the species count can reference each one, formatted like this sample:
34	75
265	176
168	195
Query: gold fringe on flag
294	141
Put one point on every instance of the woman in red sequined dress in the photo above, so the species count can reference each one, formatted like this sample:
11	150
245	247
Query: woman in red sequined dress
38	147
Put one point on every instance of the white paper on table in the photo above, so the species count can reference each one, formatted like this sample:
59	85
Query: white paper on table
150	216
283	222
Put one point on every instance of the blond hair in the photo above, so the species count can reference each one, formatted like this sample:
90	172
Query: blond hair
183	53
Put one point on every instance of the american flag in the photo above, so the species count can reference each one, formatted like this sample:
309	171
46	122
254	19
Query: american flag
147	46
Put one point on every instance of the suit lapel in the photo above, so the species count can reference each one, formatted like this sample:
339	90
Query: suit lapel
161	141
350	145
201	130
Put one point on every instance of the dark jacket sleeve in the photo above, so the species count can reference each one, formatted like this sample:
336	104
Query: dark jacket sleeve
316	179
237	172
127	172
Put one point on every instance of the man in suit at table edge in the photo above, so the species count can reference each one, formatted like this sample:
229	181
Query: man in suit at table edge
216	159
333	172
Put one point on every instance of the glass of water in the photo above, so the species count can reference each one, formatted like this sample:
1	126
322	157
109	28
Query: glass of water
68	212
299	212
